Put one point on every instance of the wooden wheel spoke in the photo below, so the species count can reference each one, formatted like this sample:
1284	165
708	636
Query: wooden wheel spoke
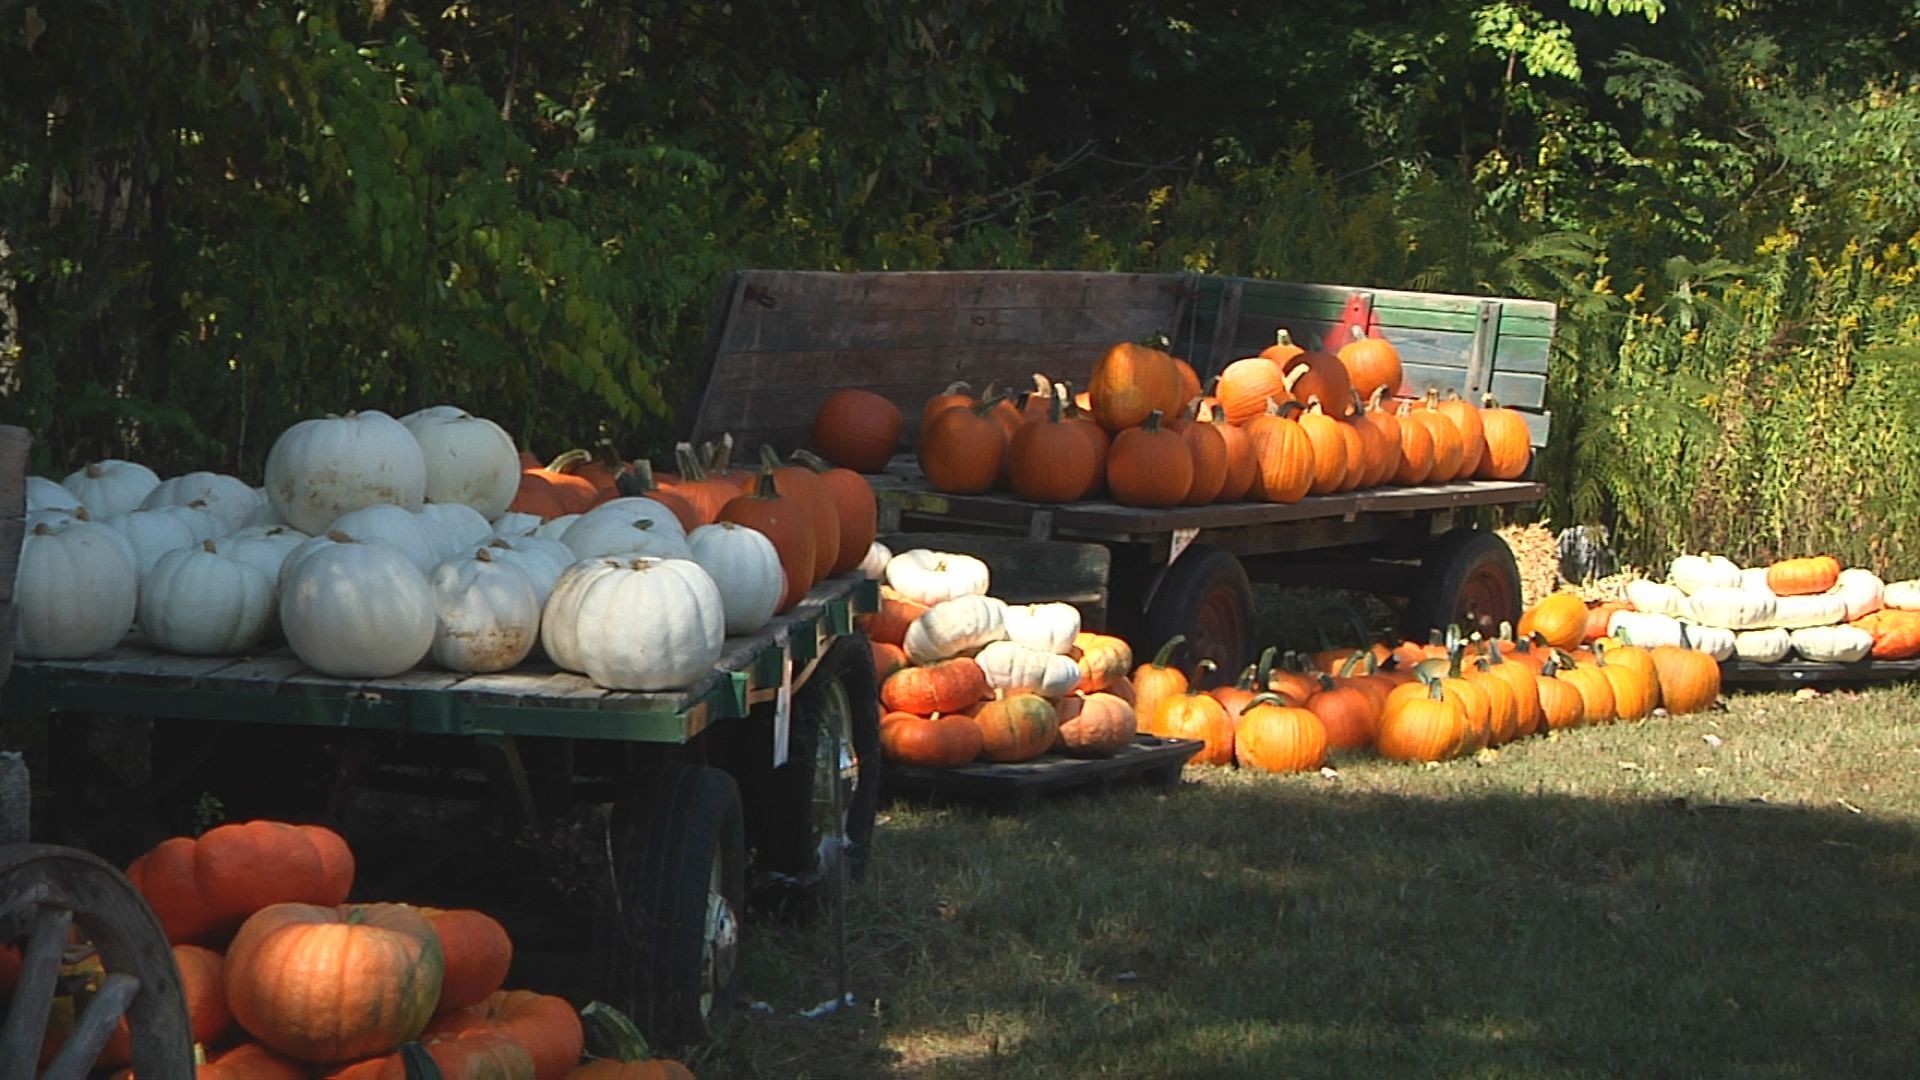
93	1029
33	995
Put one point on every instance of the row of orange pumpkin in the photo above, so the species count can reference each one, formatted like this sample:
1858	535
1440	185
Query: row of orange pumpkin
286	980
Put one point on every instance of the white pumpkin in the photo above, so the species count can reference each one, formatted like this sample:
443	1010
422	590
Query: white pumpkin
470	460
75	592
307	547
319	469
263	514
111	486
542	561
44	494
1861	589
156	531
1902	595
636	529
228	498
403	528
1046	627
356	610
1655	597
635	624
745	566
955	626
265	548
456	527
1647	629
557	528
1692	573
199	601
1754	579
635	507
1017	669
874	566
1715	641
1731	608
487	613
928	577
514	523
1833	644
1820	609
1769	646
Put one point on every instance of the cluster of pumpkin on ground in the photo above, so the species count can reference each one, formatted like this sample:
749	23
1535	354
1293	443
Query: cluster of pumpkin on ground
1277	427
1808	607
965	677
286	980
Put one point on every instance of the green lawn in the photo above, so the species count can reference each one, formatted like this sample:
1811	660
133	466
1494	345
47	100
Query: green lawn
1734	894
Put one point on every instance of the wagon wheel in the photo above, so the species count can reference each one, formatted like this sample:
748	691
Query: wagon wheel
667	932
46	892
1206	596
1469	578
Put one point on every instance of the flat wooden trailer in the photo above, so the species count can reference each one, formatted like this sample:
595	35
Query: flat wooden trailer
782	341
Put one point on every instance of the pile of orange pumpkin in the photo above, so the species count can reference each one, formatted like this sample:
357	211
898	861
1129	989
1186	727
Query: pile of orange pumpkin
1275	427
286	980
1411	701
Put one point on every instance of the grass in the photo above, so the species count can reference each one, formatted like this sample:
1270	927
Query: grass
1734	894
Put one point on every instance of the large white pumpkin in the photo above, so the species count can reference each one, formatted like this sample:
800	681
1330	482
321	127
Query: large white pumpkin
1731	608
402	528
265	548
635	624
44	494
75	593
1769	646
457	527
557	528
1715	641
1861	589
201	602
319	469
1017	669
1045	627
227	498
470	460
514	523
641	530
1647	629
154	532
357	610
1902	595
928	577
1655	597
488	613
874	566
541	560
952	627
1833	644
1820	609
1692	573
112	486
745	566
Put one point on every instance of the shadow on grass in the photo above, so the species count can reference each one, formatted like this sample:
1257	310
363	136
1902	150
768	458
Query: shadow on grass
1247	927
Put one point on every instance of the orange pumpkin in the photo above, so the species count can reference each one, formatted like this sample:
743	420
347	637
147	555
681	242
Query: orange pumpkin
202	984
887	659
1416	449
1103	659
701	491
546	1025
856	511
1896	633
1509	443
857	429
962	449
1326	435
475	1054
1373	364
888	623
1559	618
946	686
1052	460
202	889
1016	727
788	523
1465	416
1149	465
1132	381
1274	736
1155	683
1320	375
1424	728
956	393
1194	715
1347	713
334	983
1284	467
939	741
1803	577
1208	451
1094	725
1449	451
1246	384
1689	679
1241	466
1282	350
476	951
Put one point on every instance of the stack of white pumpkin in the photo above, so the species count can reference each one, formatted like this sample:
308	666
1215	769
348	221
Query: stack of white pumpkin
374	544
1022	648
1710	602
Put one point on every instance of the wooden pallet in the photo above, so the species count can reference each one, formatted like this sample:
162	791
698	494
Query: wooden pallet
1747	675
1151	759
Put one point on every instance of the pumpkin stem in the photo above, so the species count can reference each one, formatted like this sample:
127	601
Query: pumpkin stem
1206	664
763	487
1313	405
720	454
691	470
811	460
339	537
1291	407
1268	698
1379	392
1056	408
769	457
207	546
1042	386
419	1064
611	1034
1281	337
1298	372
483	555
570	460
1153	421
1157	340
1346	669
1165	655
356	915
1246	677
1266	665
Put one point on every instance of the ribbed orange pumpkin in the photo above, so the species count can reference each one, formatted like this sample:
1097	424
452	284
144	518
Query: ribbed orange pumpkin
1094	725
808	490
1509	444
1416	448
1082	421
1284	467
1149	465
1155	683
1103	659
1208	451
857	429
1561	705
1689	678
946	686
1559	618
1803	577
1274	736
1241	465
1131	381
1347	712
856	512
201	889
1465	416
1373	364
1449	452
1596	690
956	393
248	1061
1246	384
545	1025
939	741
477	953
1016	727
1424	728
334	983
1636	690
1381	433
202	984
1194	715
888	624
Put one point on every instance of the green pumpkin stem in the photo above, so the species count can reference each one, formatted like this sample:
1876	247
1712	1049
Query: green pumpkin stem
1204	665
1165	656
684	459
1265	669
811	460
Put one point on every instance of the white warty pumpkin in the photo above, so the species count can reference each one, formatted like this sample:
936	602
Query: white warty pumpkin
201	602
1017	669
1655	597
1833	644
1861	589
1820	609
487	613
470	460
635	624
1046	627
1731	608
952	627
75	592
111	486
1769	646
1754	579
1647	629
745	566
928	577
1692	573
319	469
356	610
1902	595
874	566
1715	641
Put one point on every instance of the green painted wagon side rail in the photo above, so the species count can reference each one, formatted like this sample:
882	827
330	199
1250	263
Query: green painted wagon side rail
275	688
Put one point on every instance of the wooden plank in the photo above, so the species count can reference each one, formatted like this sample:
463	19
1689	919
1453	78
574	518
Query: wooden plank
1518	389
14	444
755	332
259	674
855	293
1528	354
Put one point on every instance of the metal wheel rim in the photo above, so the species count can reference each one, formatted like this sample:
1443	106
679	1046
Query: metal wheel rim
1220	626
1485	601
720	937
836	771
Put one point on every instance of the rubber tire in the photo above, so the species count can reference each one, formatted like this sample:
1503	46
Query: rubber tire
666	831
1203	575
1455	563
786	834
